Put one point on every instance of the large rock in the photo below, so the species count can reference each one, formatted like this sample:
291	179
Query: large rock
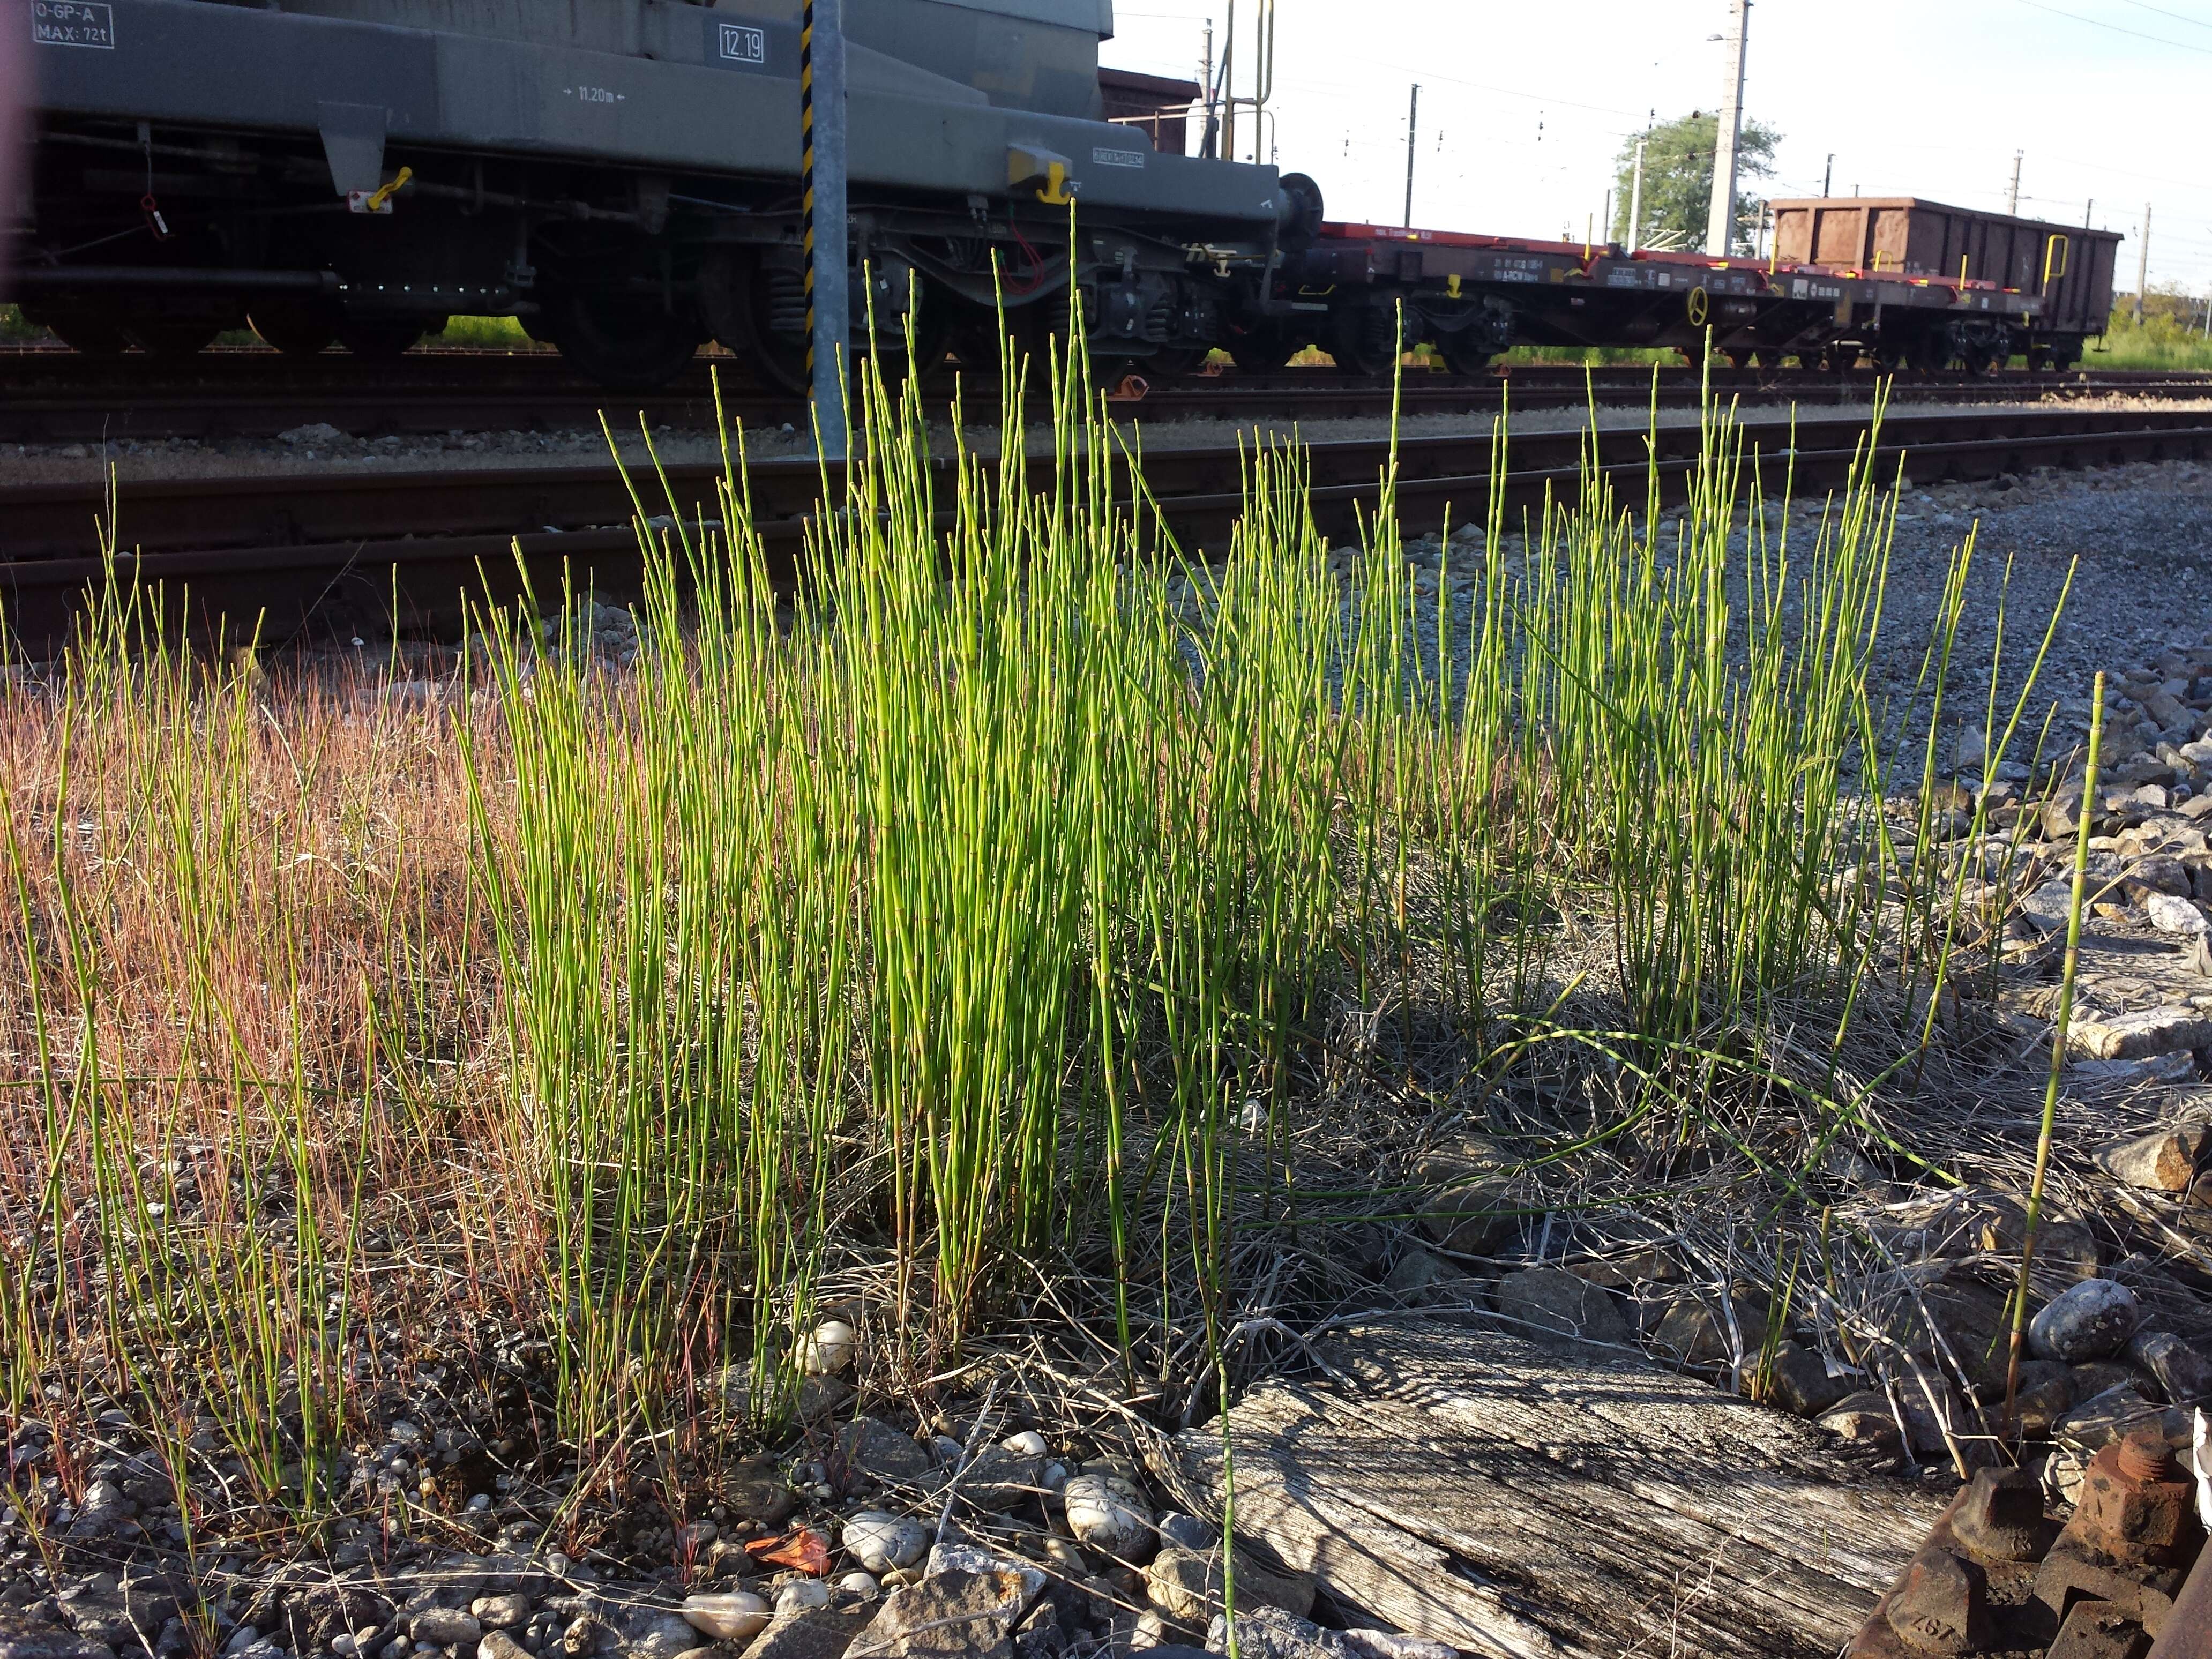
815	1633
2163	1160
1550	1304
23	1638
999	1479
1470	1218
2087	1321
881	1542
123	1611
1800	1382
1971	1312
949	1614
651	1632
2183	1373
737	1616
502	1612
2120	1076
1186	1585
2092	1377
1108	1514
2172	914
1864	1421
1271	1633
1421	1278
871	1450
982	1558
1925	1423
1693	1331
313	1617
2117	1413
2137	1036
755	1490
2045	910
1625	1273
819	1397
445	1627
2158	873
2045	1394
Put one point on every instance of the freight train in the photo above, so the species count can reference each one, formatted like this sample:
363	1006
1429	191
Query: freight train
622	177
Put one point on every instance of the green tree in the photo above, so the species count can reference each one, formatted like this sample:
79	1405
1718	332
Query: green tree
1677	181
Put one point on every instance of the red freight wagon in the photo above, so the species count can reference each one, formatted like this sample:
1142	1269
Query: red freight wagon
2068	268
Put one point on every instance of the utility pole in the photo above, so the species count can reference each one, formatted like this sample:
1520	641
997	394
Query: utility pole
1205	91
2088	209
1607	237
822	200
2012	196
1413	117
1720	227
1636	201
2142	266
1828	176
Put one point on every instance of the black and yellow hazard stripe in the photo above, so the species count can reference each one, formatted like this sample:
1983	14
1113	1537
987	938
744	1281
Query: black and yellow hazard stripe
807	165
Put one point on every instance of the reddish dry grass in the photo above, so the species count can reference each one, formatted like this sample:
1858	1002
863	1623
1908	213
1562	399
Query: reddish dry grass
248	977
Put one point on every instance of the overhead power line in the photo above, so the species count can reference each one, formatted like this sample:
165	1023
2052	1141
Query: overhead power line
2118	28
2194	22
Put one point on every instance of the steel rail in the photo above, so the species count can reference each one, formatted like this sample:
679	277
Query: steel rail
247	395
284	552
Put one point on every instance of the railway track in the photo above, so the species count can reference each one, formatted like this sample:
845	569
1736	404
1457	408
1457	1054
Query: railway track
335	550
57	398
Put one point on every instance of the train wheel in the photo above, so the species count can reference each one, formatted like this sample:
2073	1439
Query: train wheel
1839	358
1472	351
379	343
980	346
166	337
538	326
1262	351
1172	363
295	333
89	336
1364	339
623	345
1931	353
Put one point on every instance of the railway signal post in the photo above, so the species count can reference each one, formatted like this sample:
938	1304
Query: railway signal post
822	193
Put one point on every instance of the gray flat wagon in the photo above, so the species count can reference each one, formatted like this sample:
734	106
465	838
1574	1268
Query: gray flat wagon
619	174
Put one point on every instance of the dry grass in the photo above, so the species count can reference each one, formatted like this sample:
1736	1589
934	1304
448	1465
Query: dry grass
1076	957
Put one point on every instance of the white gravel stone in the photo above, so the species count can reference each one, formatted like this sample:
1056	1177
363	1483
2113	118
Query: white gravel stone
1107	1513
880	1542
2172	914
829	1349
1029	1444
802	1595
735	1616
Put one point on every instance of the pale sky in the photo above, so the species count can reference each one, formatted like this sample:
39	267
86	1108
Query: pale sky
1524	104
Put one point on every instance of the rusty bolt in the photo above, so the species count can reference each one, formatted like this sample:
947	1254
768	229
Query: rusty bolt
1941	1605
2134	1505
2147	1457
2000	1516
